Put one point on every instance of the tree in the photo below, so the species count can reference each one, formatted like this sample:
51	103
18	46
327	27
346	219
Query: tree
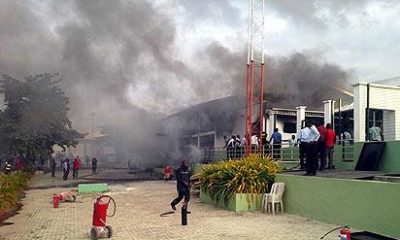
35	115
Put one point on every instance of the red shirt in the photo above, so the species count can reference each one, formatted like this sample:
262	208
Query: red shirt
330	138
77	164
322	132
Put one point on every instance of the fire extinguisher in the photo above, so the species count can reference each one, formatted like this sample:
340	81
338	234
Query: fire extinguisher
345	233
56	200
100	229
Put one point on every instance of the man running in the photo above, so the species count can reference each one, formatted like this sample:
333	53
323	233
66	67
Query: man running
182	184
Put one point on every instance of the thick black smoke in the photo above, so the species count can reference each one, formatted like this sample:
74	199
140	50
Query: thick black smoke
120	60
299	80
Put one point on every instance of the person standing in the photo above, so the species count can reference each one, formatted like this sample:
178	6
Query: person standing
292	141
322	147
231	147
277	143
330	144
375	134
303	146
183	184
75	167
243	144
292	144
254	143
94	164
65	169
238	150
53	166
87	160
312	158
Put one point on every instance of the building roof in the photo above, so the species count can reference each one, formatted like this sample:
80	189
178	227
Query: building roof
293	112
394	81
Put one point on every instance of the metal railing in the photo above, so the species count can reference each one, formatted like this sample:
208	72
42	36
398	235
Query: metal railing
343	151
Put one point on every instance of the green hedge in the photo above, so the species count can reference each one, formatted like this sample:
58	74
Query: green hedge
11	187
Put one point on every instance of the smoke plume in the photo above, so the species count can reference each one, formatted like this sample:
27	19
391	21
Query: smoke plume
121	61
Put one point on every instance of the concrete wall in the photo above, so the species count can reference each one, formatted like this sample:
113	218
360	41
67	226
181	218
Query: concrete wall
390	158
239	203
364	205
381	97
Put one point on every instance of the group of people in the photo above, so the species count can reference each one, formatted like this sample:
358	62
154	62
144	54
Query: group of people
316	146
235	146
66	166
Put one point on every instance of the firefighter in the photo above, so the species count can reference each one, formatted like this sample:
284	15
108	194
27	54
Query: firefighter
183	184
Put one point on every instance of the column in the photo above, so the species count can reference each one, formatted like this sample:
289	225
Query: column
301	116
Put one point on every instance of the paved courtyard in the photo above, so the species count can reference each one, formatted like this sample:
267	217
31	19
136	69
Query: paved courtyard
139	205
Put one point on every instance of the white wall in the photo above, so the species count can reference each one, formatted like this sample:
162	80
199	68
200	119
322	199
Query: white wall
381	97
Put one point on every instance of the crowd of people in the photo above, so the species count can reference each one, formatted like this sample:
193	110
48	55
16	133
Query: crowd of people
316	146
76	166
235	146
15	162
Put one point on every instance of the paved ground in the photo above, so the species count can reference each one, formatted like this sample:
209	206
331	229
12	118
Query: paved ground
138	217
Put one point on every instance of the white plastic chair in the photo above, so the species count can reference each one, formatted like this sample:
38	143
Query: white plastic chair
274	197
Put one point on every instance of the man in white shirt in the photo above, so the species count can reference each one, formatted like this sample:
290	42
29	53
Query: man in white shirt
254	142
303	146
312	150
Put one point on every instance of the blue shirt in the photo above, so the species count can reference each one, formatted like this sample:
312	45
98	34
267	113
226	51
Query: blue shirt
277	137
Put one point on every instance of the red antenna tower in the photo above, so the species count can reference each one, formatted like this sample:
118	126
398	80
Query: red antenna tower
255	73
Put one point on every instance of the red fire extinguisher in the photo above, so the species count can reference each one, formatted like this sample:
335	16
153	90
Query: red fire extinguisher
345	233
56	200
100	229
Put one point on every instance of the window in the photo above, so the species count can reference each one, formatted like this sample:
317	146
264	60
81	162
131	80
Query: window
289	127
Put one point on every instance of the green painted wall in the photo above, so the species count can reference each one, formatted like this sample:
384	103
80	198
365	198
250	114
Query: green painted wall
365	205
240	203
390	158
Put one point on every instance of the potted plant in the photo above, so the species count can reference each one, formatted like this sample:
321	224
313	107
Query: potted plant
231	183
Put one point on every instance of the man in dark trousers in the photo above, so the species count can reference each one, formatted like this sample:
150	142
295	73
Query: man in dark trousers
53	166
94	164
312	150
183	184
303	138
277	144
66	168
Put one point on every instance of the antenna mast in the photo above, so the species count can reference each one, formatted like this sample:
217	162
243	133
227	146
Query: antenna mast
255	73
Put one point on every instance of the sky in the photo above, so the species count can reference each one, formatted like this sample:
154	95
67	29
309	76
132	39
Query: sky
160	56
357	35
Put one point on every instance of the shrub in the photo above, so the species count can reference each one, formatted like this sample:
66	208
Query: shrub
252	174
11	186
